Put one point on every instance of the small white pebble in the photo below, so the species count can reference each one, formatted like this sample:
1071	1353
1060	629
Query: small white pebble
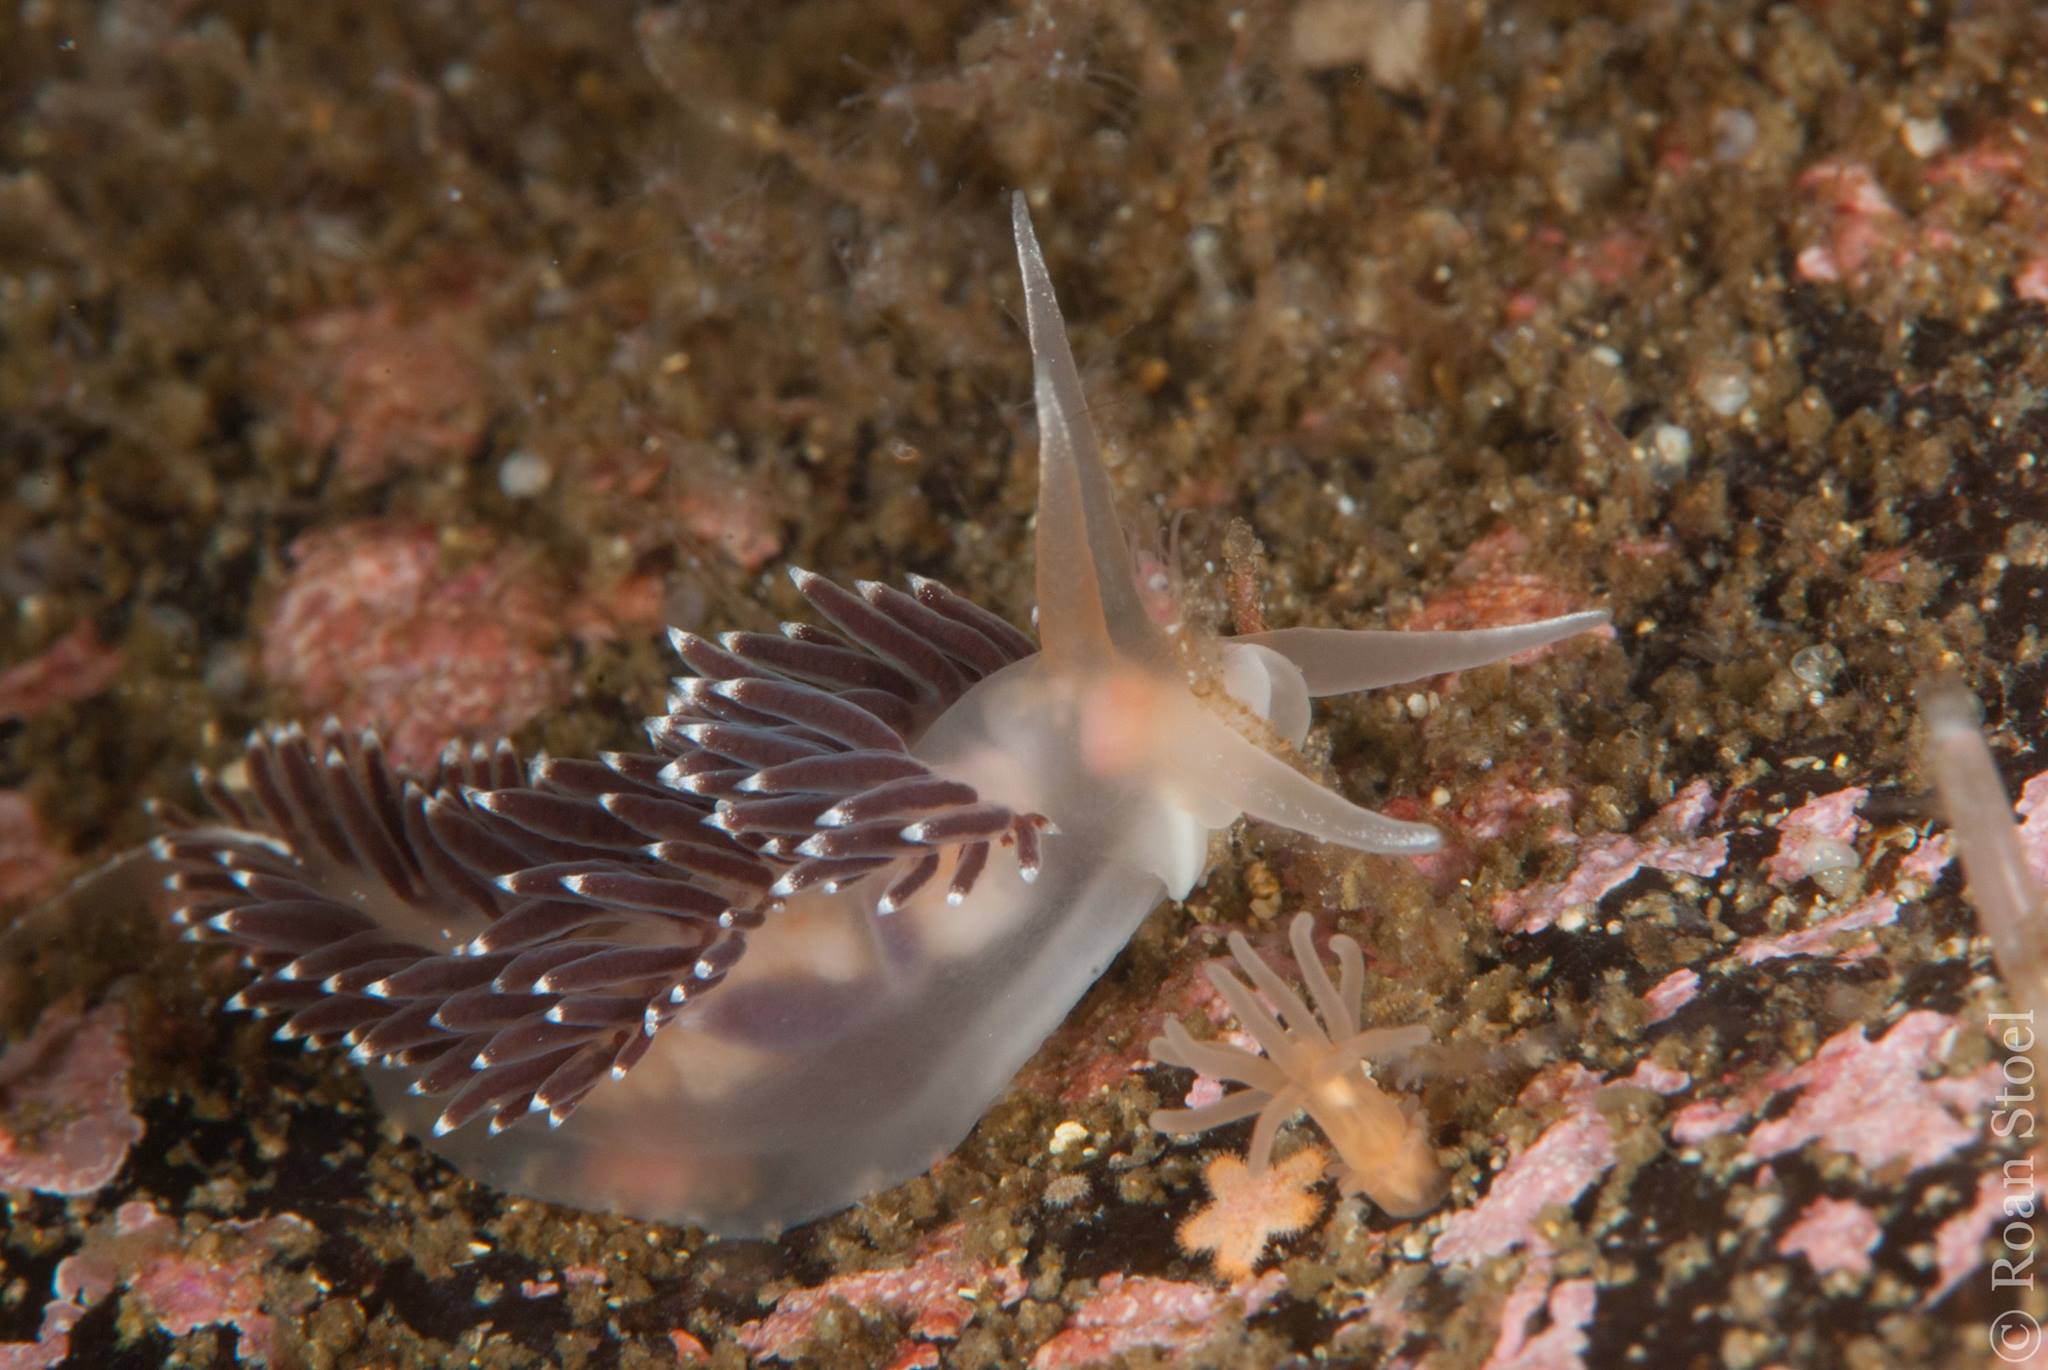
1670	452
1924	137
1734	134
523	474
1817	665
37	491
1724	390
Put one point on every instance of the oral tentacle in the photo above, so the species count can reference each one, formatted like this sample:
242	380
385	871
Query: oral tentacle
1337	661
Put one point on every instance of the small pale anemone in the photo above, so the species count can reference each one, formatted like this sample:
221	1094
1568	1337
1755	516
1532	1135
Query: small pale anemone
1381	1140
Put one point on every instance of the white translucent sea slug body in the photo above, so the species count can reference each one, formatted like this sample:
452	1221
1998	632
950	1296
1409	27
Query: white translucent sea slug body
789	956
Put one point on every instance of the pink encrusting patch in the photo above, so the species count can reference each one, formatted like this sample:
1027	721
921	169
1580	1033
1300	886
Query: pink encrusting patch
2012	1193
1833	1234
1823	937
1860	229
386	392
1130	1313
1556	1168
931	1294
65	1120
1490	588
1671	994
671	489
1925	863
1560	1346
1109	1038
28	863
2032	281
1987	198
1867	1099
175	1283
1668	842
377	626
2033	815
1818	835
1708	1118
75	666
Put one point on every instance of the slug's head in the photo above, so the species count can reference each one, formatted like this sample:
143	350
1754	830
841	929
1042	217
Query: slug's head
1197	722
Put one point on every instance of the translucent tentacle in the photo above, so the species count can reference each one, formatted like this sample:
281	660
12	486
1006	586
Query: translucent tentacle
1336	661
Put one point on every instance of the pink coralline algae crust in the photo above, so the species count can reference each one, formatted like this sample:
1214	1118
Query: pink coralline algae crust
1668	842
1129	1313
1833	1234
927	1292
2032	282
1561	1345
2006	1195
27	862
737	519
1671	994
691	492
376	627
1995	189
65	1121
1868	1098
1821	938
75	666
1504	804
178	1284
1488	588
1988	195
1865	1098
387	392
1709	1118
1859	228
1604	259
1924	864
1109	1036
2033	814
1807	835
1499	808
52	1343
1556	1168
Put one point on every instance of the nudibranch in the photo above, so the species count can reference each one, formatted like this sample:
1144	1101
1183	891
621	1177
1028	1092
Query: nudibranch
1382	1140
790	955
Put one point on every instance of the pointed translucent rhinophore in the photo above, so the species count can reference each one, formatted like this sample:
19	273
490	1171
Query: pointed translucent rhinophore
1089	609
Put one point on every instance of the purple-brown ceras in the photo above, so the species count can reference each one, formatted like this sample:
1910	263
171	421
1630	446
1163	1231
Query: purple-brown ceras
789	955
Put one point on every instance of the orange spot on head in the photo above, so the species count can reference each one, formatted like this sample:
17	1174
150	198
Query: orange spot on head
1120	718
